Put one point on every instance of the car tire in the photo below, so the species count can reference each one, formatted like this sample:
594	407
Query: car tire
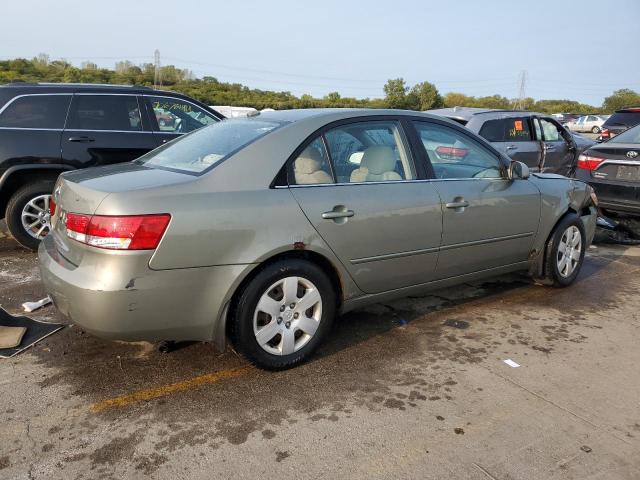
595	130
281	340
561	266
19	204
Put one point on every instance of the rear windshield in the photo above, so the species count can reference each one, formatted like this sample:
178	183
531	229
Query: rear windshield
202	149
628	119
628	136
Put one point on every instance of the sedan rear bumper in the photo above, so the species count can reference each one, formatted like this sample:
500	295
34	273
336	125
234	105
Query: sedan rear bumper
125	300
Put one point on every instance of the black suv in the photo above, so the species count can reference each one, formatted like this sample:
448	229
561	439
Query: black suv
46	129
620	121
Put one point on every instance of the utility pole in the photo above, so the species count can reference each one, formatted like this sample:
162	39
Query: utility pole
157	74
521	94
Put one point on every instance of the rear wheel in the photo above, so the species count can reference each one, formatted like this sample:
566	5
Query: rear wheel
595	129
283	314
28	218
565	252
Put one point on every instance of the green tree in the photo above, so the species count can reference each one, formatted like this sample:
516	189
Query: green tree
395	92
424	96
619	99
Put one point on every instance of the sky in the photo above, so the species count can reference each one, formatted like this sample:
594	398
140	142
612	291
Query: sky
579	49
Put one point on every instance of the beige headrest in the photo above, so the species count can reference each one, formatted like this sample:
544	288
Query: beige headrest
309	161
378	159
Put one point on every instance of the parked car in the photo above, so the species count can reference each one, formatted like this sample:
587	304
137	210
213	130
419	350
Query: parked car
613	169
620	121
586	123
46	129
536	139
263	228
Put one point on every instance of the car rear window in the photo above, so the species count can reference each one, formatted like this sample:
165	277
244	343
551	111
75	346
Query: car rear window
200	150
36	111
628	136
628	119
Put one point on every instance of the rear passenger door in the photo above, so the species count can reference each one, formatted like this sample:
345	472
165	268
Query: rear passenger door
358	186
104	129
513	136
172	117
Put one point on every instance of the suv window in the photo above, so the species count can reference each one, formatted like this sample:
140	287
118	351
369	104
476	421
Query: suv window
550	131
369	152
104	112
179	116
628	119
454	155
36	111
506	130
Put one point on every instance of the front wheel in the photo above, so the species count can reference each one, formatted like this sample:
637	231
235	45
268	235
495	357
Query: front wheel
283	314
565	252
28	216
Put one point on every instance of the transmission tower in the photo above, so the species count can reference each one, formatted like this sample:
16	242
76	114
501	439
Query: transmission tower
522	81
157	74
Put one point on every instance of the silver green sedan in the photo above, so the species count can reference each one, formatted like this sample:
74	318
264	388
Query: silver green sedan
262	230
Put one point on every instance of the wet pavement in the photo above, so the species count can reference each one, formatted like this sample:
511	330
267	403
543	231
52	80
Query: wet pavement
414	388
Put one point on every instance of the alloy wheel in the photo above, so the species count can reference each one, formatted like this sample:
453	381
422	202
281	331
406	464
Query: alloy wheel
569	251
287	315
36	217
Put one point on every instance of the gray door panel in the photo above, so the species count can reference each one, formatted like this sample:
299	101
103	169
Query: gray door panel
496	228
392	239
528	153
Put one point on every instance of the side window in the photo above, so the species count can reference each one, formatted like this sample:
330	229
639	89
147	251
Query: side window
455	155
312	165
178	116
104	112
36	111
551	132
506	130
493	130
369	152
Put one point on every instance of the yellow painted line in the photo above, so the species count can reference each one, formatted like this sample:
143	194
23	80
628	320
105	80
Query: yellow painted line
151	393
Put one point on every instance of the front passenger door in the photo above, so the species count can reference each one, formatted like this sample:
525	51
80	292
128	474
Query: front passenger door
558	148
488	220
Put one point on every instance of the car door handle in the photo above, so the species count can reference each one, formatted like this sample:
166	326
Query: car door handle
510	147
457	204
82	139
333	214
549	147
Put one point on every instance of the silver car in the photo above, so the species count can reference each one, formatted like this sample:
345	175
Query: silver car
262	230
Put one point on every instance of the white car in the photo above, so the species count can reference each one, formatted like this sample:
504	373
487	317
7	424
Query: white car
586	123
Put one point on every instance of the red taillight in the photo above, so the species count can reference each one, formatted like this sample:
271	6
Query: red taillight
605	133
52	206
130	232
586	162
452	151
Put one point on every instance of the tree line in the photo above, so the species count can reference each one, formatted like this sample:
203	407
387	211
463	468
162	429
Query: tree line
209	90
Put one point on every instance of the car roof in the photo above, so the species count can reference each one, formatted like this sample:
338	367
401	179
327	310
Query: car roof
332	114
465	114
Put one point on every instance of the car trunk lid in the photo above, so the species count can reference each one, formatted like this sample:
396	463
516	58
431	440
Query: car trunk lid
621	162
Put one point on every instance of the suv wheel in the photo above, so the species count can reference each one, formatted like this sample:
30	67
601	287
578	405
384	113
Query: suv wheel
283	314
28	217
595	129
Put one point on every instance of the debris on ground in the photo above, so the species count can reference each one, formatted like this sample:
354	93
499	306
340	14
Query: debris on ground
586	448
511	363
461	324
34	331
622	230
32	306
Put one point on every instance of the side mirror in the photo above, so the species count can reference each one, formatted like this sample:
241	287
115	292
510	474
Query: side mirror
518	171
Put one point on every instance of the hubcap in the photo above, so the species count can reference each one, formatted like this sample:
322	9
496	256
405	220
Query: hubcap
569	251
36	218
287	316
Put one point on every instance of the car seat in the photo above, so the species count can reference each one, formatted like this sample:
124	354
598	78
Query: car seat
308	168
377	165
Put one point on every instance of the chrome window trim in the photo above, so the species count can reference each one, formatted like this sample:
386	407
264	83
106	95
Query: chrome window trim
418	180
108	131
33	128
